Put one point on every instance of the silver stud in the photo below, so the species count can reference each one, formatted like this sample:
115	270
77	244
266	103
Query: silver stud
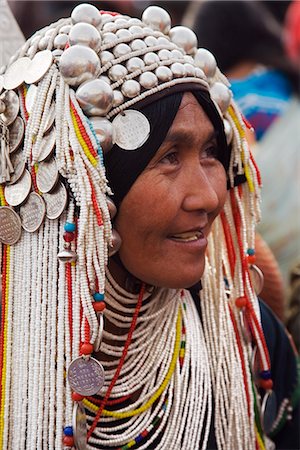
65	29
117	72
134	21
136	29
184	38
157	18
116	243
163	41
177	54
130	88
123	34
31	51
121	23
104	78
105	57
109	27
121	50
164	54
190	69
60	41
189	59
151	58
95	97
86	13
137	44
205	60
118	98
163	73
109	38
43	43
178	70
148	80
67	256
134	64
199	73
150	41
85	34
103	129
106	18
49	32
78	64
221	95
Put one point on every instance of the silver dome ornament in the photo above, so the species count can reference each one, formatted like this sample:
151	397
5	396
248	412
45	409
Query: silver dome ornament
134	64
133	21
109	27
57	54
157	18
117	72
148	80
121	50
65	29
136	29
150	41
199	73
67	256
95	97
79	64
43	43
178	70
60	41
163	73
111	207
31	51
190	69
228	131
206	61
108	38
151	58
177	54
104	78
105	57
86	13
137	44
121	22
164	54
104	132
130	88
118	98
123	34
85	34
184	38
163	41
116	243
221	95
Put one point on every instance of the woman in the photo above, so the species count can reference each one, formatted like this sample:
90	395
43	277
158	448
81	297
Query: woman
148	364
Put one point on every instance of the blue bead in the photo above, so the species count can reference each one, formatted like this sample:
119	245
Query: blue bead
68	431
138	439
70	227
251	251
265	374
98	297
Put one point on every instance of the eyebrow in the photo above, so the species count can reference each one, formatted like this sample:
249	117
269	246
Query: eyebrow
183	135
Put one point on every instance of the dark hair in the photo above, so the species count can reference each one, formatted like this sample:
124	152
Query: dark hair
238	31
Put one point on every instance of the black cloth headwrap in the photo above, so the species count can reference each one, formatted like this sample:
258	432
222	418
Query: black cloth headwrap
124	166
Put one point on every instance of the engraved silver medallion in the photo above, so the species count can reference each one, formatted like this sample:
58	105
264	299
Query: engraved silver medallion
16	194
79	427
50	118
131	129
18	163
16	134
86	376
38	67
56	202
30	98
47	176
12	105
32	213
47	145
10	226
14	76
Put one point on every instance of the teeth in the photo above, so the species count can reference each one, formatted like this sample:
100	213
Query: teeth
188	236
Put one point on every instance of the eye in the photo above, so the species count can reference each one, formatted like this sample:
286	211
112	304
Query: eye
211	152
170	158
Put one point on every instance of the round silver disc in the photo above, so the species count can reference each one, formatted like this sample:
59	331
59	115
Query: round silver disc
38	67
50	118
30	98
47	145
100	332
56	202
79	427
16	134
16	194
18	163
257	278
86	376
268	411
10	226
32	213
47	176
131	129
14	76
12	105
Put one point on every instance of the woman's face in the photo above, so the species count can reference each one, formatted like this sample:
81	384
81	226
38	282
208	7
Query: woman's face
165	218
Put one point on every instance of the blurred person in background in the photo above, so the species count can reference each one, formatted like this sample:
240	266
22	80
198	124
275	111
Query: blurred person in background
265	84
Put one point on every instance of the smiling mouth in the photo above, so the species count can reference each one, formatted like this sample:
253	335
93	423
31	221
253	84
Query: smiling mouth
188	236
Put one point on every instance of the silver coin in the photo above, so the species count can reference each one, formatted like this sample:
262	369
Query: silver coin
16	194
38	67
47	176
79	427
18	163
131	129
32	213
257	278
47	145
98	340
12	105
14	77
86	376
10	226
16	134
50	118
30	98
56	202
268	411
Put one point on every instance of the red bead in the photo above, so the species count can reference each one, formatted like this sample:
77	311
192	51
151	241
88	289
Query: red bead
69	236
68	441
99	306
267	385
251	259
86	348
77	397
241	302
